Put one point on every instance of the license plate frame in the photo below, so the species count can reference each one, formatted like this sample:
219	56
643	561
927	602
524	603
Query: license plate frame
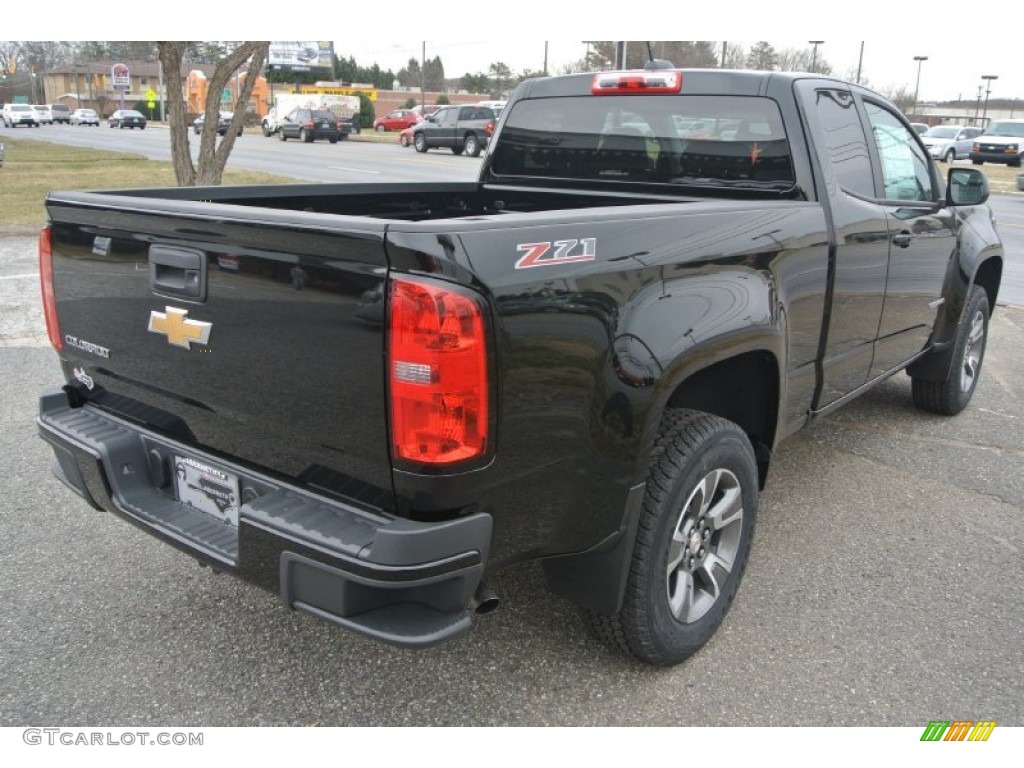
207	489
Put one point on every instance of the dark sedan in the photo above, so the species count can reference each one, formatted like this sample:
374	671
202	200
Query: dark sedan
127	118
223	123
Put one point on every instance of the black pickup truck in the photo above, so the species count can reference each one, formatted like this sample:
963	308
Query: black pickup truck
367	398
459	128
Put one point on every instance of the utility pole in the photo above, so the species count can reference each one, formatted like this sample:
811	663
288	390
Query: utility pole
423	75
988	89
860	61
917	88
814	52
725	50
545	58
620	55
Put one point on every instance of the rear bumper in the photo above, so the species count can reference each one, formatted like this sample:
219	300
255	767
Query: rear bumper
406	583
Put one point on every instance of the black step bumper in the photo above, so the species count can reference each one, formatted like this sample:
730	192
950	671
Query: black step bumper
403	582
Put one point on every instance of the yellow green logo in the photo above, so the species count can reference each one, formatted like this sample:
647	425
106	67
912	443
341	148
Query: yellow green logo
958	730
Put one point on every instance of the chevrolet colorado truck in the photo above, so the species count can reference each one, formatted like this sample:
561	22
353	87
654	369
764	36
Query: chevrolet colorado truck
369	397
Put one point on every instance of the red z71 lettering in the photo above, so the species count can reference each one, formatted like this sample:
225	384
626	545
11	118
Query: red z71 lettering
565	252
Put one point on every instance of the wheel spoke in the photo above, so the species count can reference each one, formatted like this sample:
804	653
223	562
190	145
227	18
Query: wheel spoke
728	509
676	551
977	329
680	596
706	571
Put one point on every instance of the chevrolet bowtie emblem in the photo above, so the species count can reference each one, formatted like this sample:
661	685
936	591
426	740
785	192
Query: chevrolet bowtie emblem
178	328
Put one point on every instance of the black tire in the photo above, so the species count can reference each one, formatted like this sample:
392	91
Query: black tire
472	145
950	156
333	139
280	134
701	495
1014	163
266	131
420	142
404	141
304	136
952	395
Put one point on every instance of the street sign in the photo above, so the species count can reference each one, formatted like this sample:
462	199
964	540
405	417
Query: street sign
225	95
151	95
119	77
150	104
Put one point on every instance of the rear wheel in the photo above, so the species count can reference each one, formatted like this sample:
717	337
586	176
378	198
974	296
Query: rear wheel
472	145
692	543
266	130
304	136
420	142
333	139
381	128
951	395
950	156
280	134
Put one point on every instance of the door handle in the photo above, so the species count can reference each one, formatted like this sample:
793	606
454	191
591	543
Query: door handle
902	239
177	272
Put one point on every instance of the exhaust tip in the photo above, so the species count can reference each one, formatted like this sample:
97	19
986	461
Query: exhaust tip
484	601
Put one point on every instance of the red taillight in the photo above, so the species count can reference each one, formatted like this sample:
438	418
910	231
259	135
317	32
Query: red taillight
658	81
46	283
437	371
489	128
310	124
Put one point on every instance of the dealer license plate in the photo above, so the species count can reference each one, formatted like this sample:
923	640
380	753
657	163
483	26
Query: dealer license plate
207	489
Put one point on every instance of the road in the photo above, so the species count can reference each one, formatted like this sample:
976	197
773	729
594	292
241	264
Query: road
346	161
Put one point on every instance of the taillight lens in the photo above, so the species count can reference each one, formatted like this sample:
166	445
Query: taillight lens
489	128
437	369
310	125
46	283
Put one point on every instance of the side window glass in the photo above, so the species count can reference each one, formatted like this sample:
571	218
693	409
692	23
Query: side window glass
845	141
905	168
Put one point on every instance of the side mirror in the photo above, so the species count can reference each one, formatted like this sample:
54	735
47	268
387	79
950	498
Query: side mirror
966	186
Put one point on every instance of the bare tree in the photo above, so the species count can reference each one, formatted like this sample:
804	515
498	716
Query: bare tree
212	156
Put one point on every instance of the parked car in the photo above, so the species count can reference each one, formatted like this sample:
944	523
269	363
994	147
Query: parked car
223	123
950	142
61	114
309	125
460	128
920	127
127	118
43	114
85	117
19	114
398	120
1002	142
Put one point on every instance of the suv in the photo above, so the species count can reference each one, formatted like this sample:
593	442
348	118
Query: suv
950	142
61	114
310	124
43	114
1001	142
20	114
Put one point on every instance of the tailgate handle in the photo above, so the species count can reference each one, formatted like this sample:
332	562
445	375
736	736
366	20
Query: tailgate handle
177	272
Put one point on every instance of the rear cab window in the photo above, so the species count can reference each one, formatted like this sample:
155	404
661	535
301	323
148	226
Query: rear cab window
701	141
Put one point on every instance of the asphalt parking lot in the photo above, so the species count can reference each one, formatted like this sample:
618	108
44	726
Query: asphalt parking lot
885	588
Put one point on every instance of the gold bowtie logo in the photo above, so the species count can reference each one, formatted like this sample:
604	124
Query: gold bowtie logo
178	328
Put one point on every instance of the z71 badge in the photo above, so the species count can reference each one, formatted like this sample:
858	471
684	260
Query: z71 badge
557	252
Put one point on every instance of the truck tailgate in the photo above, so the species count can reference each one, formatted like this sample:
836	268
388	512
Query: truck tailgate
243	334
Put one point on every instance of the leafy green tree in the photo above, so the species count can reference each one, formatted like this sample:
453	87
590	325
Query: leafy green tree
409	75
478	83
500	77
433	74
442	99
